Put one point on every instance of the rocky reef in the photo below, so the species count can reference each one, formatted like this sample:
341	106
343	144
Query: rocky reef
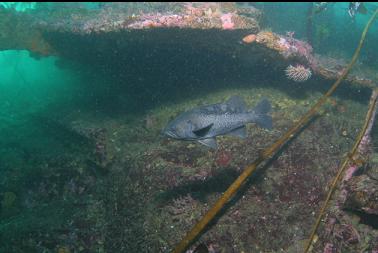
114	31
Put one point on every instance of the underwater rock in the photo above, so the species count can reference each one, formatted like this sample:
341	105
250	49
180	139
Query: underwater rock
114	30
223	158
63	250
362	195
329	248
41	31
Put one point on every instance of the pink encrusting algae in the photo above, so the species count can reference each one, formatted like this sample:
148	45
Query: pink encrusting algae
227	23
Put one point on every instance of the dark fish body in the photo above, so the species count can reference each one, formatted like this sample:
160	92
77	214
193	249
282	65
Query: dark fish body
204	123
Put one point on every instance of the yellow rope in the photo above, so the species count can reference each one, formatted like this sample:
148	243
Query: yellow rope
234	187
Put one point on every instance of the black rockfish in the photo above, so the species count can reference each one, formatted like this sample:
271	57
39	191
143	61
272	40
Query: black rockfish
204	123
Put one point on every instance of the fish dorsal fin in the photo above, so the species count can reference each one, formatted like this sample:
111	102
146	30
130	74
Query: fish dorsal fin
237	104
239	132
210	142
203	131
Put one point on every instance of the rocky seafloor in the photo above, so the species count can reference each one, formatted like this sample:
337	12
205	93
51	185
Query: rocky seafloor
120	186
103	178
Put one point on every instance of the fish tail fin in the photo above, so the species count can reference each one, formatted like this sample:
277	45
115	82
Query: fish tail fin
260	114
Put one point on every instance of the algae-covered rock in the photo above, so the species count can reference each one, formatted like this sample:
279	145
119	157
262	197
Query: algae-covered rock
362	195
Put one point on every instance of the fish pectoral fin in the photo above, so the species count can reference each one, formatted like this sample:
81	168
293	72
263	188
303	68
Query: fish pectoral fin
239	132
211	142
203	131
